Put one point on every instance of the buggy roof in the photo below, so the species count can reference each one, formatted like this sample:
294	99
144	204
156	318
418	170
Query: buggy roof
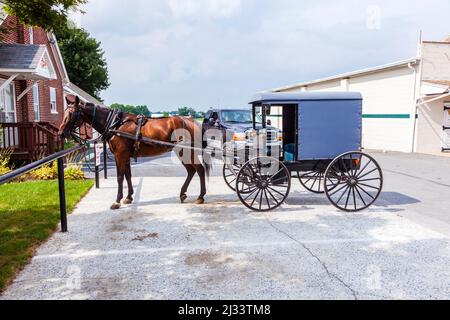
287	98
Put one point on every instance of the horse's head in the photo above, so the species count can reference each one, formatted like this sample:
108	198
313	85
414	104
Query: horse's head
73	117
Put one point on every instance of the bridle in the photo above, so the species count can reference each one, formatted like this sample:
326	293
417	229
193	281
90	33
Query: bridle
76	122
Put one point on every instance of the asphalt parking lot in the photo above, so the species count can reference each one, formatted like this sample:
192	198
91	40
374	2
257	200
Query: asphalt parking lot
160	249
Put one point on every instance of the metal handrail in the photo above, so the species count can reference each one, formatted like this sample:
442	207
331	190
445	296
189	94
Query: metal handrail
59	156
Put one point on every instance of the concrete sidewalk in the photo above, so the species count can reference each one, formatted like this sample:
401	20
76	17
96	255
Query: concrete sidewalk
160	249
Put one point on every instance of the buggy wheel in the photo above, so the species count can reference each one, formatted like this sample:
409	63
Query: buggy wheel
313	181
353	181
263	184
230	172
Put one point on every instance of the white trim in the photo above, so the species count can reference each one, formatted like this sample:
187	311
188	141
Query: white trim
434	99
26	90
8	81
36	85
53	111
31	34
60	58
13	99
394	65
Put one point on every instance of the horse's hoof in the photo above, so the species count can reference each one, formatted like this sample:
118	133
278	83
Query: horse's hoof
200	201
183	198
128	201
115	206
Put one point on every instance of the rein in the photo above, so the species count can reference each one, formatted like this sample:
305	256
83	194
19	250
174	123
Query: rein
113	120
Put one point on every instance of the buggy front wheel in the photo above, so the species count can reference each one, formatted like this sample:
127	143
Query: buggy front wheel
263	184
353	181
230	172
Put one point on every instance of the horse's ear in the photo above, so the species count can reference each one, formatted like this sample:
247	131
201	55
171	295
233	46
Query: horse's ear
68	100
77	100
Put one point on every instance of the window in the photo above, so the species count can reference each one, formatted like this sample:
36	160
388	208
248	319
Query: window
53	106
31	32
7	104
37	114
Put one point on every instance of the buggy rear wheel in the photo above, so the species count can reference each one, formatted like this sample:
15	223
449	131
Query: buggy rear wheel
313	181
263	184
353	181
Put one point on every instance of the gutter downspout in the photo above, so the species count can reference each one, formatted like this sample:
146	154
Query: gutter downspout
417	87
415	109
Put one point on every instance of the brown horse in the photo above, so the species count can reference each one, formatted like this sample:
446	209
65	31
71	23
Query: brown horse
169	130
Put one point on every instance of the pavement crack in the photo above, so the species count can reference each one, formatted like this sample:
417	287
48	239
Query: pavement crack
315	256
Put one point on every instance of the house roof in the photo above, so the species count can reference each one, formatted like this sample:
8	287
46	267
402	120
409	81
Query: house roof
20	56
286	97
27	61
71	88
394	65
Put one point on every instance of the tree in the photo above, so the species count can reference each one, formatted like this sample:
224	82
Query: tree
143	110
84	60
138	110
47	14
185	111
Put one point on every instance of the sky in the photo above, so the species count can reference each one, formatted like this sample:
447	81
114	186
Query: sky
218	53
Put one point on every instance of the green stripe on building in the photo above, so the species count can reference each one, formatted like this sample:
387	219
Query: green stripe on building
386	116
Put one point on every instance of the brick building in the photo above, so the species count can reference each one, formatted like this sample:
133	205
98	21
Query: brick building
33	87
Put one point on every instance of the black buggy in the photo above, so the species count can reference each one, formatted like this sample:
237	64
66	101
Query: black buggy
321	146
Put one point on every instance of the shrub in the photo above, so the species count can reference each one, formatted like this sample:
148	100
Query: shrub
73	172
47	172
5	157
4	170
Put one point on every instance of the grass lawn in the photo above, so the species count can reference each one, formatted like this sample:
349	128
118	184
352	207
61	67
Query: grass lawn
29	214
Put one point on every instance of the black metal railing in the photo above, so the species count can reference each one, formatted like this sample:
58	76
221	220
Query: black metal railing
59	157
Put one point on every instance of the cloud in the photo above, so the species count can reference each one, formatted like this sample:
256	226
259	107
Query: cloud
204	8
203	52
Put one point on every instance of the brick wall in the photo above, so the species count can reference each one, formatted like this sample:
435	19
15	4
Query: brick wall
25	108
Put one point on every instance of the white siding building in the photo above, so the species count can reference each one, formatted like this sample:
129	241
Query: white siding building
405	103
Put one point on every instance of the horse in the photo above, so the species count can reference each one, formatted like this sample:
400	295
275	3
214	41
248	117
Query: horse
170	130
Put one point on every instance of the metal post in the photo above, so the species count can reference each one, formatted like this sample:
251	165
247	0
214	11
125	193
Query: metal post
62	195
97	171
105	160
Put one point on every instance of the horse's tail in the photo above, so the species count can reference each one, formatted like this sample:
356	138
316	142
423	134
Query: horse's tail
197	131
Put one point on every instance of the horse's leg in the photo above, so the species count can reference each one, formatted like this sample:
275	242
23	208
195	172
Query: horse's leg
191	173
202	174
121	164
128	176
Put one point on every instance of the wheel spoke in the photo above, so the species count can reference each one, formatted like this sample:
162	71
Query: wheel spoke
267	198
280	179
354	197
256	197
315	180
376	169
366	180
366	185
358	187
348	197
261	201
273	197
310	178
359	194
336	191
343	194
276	191
363	169
277	173
250	194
